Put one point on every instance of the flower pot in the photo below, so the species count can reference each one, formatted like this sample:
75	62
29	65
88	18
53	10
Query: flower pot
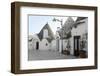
82	54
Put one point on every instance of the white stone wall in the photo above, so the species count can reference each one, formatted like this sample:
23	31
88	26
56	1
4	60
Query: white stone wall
53	45
43	46
72	45
45	33
32	44
80	30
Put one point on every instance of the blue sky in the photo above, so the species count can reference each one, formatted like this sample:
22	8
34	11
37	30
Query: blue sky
36	23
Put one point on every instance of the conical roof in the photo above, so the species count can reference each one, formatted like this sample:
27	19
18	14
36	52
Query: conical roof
67	26
80	18
50	33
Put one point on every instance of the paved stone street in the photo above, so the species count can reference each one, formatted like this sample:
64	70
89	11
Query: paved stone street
47	55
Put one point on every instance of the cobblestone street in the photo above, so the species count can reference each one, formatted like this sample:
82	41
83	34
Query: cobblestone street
47	55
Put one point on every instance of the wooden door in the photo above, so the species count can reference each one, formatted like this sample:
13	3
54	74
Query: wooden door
76	45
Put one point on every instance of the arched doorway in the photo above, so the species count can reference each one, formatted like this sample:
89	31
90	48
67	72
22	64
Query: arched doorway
37	45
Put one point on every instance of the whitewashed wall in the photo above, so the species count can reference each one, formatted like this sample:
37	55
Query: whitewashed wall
45	33
43	46
53	45
72	45
80	30
32	44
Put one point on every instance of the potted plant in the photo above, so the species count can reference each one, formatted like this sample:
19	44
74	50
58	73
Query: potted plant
67	49
82	53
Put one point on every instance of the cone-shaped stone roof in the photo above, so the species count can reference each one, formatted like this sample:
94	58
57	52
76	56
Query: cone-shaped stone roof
50	33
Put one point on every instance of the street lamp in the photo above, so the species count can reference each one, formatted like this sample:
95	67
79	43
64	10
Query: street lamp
61	21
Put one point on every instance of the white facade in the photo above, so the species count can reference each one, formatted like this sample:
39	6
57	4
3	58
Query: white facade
80	30
72	46
53	45
45	33
32	44
44	45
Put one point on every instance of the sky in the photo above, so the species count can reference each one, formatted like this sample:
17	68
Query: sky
36	23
